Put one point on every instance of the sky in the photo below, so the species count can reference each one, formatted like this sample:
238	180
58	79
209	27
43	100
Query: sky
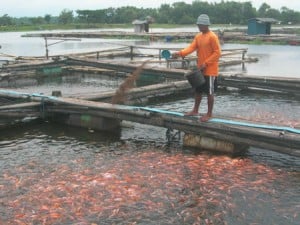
35	8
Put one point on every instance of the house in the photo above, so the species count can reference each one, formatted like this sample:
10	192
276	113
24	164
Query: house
140	26
260	25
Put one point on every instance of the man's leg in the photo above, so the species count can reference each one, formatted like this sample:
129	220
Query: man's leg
210	105
195	111
212	85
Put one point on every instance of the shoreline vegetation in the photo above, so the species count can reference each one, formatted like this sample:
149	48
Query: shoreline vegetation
291	29
284	35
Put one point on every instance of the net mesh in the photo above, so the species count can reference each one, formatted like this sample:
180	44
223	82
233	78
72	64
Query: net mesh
182	64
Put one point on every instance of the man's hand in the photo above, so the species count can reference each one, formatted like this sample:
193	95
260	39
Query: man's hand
175	55
202	67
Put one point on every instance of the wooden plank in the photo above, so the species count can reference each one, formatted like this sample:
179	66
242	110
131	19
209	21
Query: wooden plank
282	84
18	114
134	95
289	143
20	105
288	85
125	67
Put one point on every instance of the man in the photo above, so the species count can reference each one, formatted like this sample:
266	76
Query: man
209	51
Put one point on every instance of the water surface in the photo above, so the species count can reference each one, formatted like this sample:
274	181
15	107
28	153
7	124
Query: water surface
54	174
274	60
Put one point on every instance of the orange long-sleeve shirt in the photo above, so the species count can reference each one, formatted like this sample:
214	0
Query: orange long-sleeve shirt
208	51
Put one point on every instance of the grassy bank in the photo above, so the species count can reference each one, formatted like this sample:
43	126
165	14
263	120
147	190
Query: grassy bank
79	26
74	26
294	30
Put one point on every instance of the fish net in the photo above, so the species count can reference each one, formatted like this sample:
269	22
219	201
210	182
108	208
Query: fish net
182	64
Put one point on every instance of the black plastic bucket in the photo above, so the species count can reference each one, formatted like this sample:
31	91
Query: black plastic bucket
195	78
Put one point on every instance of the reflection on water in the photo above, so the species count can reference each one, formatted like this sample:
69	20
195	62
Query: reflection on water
273	60
14	44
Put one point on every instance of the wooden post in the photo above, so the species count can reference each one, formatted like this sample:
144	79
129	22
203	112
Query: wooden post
243	55
131	52
159	54
46	46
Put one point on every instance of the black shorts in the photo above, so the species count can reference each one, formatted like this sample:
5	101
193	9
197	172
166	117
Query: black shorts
209	87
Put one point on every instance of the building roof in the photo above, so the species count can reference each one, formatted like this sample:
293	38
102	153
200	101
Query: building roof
139	22
265	20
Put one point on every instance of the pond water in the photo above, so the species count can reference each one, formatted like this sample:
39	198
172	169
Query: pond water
53	174
274	60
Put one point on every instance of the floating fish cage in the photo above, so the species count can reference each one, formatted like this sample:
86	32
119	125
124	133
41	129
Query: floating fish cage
148	79
49	70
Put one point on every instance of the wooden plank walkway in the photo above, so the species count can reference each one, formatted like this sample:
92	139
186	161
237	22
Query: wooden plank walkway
12	113
282	140
224	36
278	140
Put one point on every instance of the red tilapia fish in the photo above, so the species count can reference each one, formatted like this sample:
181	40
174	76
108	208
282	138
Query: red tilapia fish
177	188
271	118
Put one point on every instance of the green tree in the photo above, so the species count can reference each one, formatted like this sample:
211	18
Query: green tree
273	13
164	14
263	9
47	18
289	15
5	20
109	15
200	7
247	12
83	15
66	16
127	14
36	20
181	13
